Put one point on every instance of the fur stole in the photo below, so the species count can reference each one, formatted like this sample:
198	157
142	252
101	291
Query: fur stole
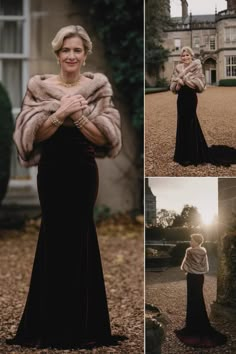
191	76
195	261
42	99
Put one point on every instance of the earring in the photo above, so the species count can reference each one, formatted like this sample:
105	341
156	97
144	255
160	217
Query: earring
84	63
58	62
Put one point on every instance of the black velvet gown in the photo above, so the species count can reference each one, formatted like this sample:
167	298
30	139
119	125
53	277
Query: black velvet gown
66	305
191	147
198	331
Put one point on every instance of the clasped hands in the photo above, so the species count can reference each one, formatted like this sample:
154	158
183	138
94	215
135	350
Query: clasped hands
71	106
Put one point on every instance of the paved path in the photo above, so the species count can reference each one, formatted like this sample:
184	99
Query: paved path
217	116
167	290
121	246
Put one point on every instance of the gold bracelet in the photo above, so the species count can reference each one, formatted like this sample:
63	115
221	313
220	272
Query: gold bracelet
81	119
79	123
56	122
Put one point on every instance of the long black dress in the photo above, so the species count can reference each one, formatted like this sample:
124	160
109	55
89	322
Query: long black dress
198	331
66	305
191	147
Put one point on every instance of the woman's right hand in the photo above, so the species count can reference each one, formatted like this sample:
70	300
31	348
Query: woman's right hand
178	87
70	105
180	82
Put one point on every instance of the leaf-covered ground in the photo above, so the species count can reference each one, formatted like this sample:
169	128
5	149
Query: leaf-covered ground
217	115
121	247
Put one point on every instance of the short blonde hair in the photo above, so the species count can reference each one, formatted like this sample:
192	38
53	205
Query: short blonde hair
68	32
188	50
198	238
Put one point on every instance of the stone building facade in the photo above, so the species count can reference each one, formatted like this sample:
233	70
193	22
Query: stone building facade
27	29
150	206
212	37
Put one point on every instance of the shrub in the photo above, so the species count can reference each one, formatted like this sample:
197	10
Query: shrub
178	253
150	252
6	131
162	83
156	89
122	35
227	82
101	212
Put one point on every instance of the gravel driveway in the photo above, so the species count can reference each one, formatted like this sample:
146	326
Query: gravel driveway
167	291
121	247
217	116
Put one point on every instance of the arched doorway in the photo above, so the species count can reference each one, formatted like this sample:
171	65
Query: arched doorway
209	67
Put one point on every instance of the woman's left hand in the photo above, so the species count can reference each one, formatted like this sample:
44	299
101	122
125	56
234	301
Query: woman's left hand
82	105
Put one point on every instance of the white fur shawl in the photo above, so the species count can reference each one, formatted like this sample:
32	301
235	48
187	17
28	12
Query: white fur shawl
195	261
191	76
42	99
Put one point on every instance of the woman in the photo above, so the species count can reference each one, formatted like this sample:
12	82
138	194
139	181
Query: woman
198	331
191	147
64	120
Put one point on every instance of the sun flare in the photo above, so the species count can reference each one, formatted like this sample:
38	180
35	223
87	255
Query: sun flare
208	215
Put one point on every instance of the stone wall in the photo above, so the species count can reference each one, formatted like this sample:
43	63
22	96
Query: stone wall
226	280
150	205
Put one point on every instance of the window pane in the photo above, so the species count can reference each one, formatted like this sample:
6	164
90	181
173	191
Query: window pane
233	60
228	71
196	42
12	79
11	41
233	70
212	43
11	37
11	7
177	44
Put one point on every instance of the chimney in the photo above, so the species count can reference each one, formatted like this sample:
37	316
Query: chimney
184	9
231	5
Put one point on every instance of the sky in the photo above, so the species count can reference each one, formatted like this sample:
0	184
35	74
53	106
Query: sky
198	7
172	193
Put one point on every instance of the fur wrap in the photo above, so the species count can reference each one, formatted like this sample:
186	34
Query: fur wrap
42	99
195	261
191	75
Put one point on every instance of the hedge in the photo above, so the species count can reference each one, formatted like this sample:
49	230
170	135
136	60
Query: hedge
156	89
227	82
